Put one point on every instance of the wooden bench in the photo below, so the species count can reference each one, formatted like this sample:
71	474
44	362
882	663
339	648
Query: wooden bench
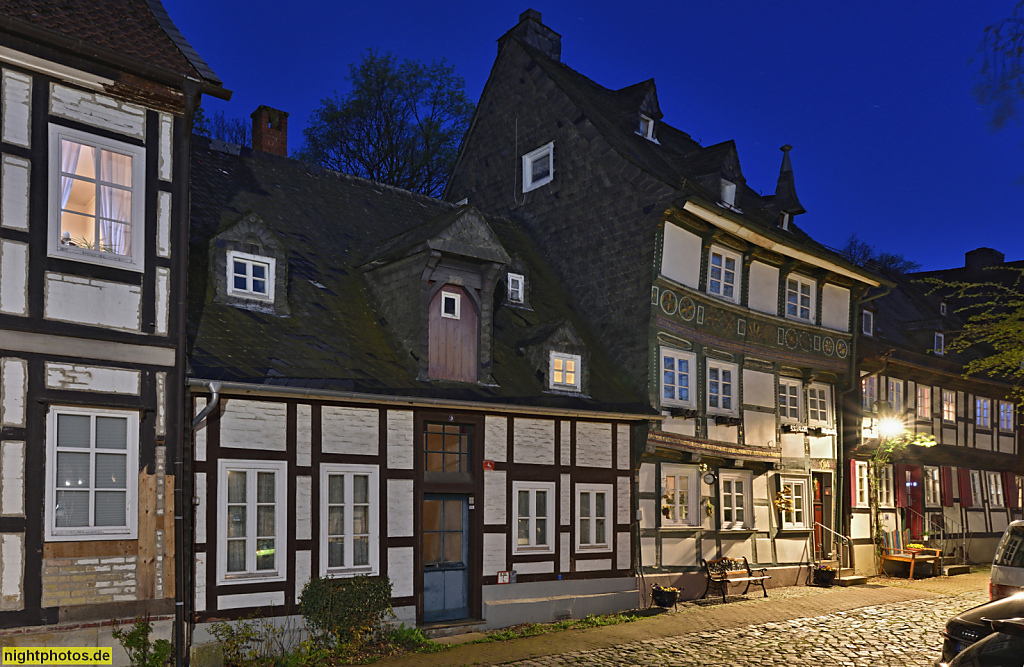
894	551
724	571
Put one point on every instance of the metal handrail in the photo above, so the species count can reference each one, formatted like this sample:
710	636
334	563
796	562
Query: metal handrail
965	534
844	538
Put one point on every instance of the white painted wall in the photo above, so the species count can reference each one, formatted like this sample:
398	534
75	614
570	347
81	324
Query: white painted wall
12	478
622	504
98	110
90	301
79	377
792	550
350	430
565	498
822	447
303	435
541	567
200	432
200	582
303	507
593	445
622	446
13	277
400	447
400	510
738	549
534	441
759	388
166	165
792	445
163	298
758	428
494	554
495	438
623	549
200	517
14	189
565	444
494	497
303	570
253	424
13	389
763	293
680	259
594	565
835	307
400	565
163	224
16	94
677	551
12	571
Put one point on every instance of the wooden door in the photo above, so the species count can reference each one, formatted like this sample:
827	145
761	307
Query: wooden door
445	558
453	335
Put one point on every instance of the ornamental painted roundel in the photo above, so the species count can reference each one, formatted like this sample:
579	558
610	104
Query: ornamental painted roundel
842	349
805	341
828	346
792	338
686	308
669	302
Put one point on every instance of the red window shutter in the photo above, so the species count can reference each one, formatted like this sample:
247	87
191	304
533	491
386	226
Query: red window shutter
946	479
966	499
899	481
1010	490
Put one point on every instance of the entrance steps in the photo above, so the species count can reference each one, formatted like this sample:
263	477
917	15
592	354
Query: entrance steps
848	578
450	628
952	570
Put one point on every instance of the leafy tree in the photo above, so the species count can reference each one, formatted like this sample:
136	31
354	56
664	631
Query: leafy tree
399	124
1001	78
232	130
888	448
864	254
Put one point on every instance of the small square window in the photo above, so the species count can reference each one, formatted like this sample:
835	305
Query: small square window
646	127
800	298
251	276
565	371
539	167
451	305
721	387
867	321
677	377
940	344
789	399
723	274
516	288
533	515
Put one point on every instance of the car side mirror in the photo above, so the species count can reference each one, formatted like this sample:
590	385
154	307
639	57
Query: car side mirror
1009	626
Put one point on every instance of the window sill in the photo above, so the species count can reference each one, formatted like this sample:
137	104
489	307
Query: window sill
354	572
546	551
723	298
741	529
91	537
236	579
789	530
601	549
76	254
679	528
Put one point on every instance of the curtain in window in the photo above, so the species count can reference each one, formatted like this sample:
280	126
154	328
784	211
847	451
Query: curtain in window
115	203
69	154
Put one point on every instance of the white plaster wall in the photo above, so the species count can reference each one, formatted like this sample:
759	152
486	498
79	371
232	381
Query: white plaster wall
494	554
763	293
822	447
983	441
622	446
649	510
161	403
1006	444
565	497
495	438
678	551
792	445
12	478
163	298
565	549
792	550
622	505
253	424
200	517
98	110
79	377
13	277
680	259
303	435
593	445
350	430
724	433
738	549
708	549
860	526
303	507
13	388
593	565
763	548
17	108
303	570
12	571
540	567
494	497
534	441
999	521
679	425
400	431
400	565
200	432
758	428
200	582
758	388
96	302
648	480
400	511
762	517
163	224
565	444
14	189
835	307
243	600
166	153
648	551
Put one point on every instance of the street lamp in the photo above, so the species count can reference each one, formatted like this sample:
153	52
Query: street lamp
890	427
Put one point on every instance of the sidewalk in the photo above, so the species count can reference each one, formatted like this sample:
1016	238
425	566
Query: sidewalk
705	616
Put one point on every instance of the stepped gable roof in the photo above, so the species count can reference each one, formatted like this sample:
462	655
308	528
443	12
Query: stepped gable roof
139	29
330	225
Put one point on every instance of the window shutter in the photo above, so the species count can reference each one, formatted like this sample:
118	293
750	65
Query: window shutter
853	483
1010	490
946	479
966	499
899	481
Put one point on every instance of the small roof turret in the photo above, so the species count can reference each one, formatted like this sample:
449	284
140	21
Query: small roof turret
785	191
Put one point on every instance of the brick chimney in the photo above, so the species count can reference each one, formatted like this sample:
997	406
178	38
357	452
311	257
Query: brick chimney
981	258
536	34
270	130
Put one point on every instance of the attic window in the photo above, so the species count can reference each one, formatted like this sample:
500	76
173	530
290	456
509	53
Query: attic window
516	291
940	343
646	127
868	323
538	167
251	276
565	371
728	193
451	305
784	223
942	308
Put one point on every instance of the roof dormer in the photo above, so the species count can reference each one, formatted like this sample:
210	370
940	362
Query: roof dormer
249	267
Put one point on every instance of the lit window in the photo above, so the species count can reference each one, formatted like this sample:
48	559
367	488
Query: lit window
721	383
800	298
924	401
722	274
948	405
818	405
940	344
932	487
97	200
734	488
533	517
1006	411
976	486
451	305
593	507
446	447
862	483
982	417
515	288
794	492
348	519
679	495
789	399
867	323
995	489
92	474
538	167
869	393
646	127
895	395
885	490
251	520
676	377
565	371
250	275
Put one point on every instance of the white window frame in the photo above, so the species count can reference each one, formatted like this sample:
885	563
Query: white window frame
647	128
733	476
982	412
609	518
728	193
821	394
949	406
545	152
867	323
863	495
733	384
801	282
789	518
451	296
869	392
136	262
942	308
996	493
692	503
924	401
932	486
516	288
533	547
251	467
82	533
790	398
894	395
249	260
940	343
691	361
737	273
372	568
977	494
886	492
566	359
1006	414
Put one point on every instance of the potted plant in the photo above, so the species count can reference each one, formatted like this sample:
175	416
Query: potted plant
823	575
664	596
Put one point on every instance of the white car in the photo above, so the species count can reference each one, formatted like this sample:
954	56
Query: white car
1008	566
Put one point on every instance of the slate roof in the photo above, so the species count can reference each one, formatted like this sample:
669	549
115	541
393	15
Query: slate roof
330	224
140	29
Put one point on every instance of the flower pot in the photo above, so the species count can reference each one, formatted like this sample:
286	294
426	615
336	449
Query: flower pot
824	578
664	598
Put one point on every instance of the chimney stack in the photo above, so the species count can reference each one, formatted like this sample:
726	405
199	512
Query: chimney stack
536	34
980	258
270	130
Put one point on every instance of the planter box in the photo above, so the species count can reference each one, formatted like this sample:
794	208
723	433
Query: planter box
823	578
664	598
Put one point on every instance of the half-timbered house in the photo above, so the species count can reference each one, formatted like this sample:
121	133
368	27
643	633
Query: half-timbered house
733	321
96	101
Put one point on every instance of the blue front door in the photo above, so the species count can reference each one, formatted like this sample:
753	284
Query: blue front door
445	558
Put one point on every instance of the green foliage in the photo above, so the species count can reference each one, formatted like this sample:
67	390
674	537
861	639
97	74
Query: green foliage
255	641
885	452
399	124
1001	76
142	652
534	629
346	612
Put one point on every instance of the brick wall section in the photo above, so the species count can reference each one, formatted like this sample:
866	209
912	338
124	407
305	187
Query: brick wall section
76	581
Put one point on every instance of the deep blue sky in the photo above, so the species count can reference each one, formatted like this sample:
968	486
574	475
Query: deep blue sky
875	96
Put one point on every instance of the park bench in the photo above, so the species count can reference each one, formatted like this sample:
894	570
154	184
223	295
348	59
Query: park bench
724	571
894	551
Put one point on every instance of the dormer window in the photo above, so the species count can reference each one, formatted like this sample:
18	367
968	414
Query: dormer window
251	276
867	323
451	305
942	308
538	167
516	288
784	221
646	127
728	193
940	343
565	371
